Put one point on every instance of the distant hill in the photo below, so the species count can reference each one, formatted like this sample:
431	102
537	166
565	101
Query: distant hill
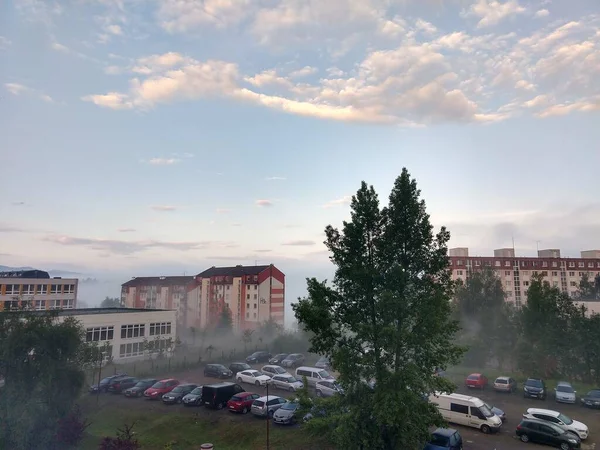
53	273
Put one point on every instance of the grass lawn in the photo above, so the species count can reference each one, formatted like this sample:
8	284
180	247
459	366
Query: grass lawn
157	426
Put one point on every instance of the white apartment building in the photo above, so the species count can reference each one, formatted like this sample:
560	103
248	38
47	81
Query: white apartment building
35	289
125	330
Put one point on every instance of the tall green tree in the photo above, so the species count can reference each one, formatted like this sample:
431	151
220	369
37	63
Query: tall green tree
41	360
386	318
109	302
589	289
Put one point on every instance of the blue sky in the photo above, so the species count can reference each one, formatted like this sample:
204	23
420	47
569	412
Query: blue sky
144	137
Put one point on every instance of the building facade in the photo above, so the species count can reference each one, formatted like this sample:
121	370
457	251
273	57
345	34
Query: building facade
128	334
516	272
34	289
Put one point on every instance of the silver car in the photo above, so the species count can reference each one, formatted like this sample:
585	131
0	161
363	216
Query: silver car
271	370
328	388
286	382
564	393
286	414
323	363
267	405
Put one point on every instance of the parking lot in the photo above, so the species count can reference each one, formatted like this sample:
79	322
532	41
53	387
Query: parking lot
514	405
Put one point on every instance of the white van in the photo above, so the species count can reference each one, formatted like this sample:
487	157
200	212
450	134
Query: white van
466	410
313	375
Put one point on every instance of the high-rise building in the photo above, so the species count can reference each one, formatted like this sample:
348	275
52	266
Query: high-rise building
35	289
515	272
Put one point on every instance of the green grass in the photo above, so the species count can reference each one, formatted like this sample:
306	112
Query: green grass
185	430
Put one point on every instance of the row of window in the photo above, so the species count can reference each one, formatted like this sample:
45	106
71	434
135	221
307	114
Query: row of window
156	329
38	289
544	273
96	334
133	331
39	305
580	264
137	348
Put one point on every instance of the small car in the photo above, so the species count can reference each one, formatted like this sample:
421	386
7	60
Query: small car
323	363
252	377
242	402
105	383
286	415
217	371
476	381
558	419
445	439
286	382
505	384
257	357
293	360
267	405
239	366
194	398
177	394
564	393
534	388
271	370
496	411
591	399
120	384
539	431
157	390
139	388
328	388
278	358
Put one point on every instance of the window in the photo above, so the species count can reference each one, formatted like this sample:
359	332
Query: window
554	274
571	264
132	331
524	272
573	284
571	274
69	289
100	334
507	272
477	263
255	315
41	289
509	283
506	263
255	296
254	305
55	289
497	263
459	262
28	289
55	304
459	272
255	277
544	264
131	349
554	264
68	304
525	283
581	274
247	305
227	287
247	315
12	289
40	305
247	296
159	328
581	264
459	408
555	283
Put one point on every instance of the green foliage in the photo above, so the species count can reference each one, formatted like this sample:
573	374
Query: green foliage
225	322
589	289
269	329
109	302
387	318
41	360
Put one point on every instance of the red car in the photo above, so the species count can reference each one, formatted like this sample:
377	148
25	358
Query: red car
159	389
476	380
241	402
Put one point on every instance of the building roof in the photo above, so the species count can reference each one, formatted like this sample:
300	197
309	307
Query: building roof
235	271
159	281
33	273
93	311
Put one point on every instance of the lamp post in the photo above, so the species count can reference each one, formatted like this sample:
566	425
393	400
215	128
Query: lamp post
268	418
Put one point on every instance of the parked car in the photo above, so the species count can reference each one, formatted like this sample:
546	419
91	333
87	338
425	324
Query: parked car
466	410
293	360
534	388
239	366
559	419
278	358
328	388
194	398
120	384
476	381
286	415
217	371
496	411
177	394
105	383
138	389
564	393
445	439
505	384
217	395
252	377
258	357
313	375
271	370
242	402
541	432
286	382
591	399
157	390
267	405
323	363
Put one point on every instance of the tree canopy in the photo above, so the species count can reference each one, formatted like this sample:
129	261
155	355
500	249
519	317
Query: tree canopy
386	318
109	302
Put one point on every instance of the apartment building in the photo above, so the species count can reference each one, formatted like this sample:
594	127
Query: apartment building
125	331
516	272
160	293
37	290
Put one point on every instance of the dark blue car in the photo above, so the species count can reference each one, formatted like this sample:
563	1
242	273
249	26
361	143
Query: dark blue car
445	439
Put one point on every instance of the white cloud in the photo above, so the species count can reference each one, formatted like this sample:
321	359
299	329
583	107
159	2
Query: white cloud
59	47
305	71
4	42
222	210
112	70
299	243
542	13
262	203
180	16
275	178
16	88
491	12
112	100
114	29
126	230
163	208
425	26
163	161
345	200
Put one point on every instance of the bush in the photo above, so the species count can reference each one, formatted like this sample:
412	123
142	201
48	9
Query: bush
125	440
71	428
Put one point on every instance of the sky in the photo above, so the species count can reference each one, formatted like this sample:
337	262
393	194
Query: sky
144	137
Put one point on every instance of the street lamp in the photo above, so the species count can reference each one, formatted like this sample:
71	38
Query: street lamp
268	418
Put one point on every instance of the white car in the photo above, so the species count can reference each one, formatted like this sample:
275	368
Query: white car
252	377
557	418
564	393
272	370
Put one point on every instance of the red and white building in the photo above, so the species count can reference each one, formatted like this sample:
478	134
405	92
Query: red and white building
253	294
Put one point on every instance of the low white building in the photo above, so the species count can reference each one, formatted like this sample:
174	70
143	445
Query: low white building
126	330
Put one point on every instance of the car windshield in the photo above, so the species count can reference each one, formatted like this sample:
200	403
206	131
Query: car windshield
486	411
534	383
220	367
197	391
142	384
502	381
279	370
105	381
178	389
324	374
237	398
565	419
255	354
281	355
473	377
564	388
594	393
290	380
254	373
158	385
290	406
438	439
259	403
243	366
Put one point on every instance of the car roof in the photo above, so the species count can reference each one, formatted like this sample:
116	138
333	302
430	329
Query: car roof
239	362
503	378
476	374
534	378
271	365
548	412
267	398
244	394
447	432
167	379
187	384
563	383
